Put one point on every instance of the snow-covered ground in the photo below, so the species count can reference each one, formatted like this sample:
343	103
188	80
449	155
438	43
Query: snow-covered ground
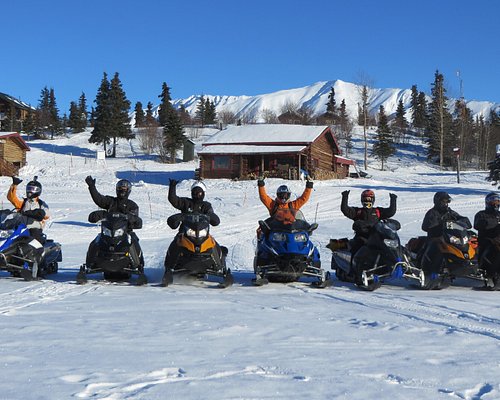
60	340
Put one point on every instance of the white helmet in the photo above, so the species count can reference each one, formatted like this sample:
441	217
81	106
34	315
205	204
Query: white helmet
198	190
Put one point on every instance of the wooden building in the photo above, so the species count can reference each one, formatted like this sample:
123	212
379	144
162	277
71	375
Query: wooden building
13	113
12	153
273	150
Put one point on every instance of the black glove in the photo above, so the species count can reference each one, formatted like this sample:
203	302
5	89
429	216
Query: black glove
16	181
172	182
90	181
393	196
309	184
261	182
345	193
37	215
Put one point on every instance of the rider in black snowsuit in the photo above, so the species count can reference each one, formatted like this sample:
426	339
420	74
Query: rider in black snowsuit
432	257
487	223
187	205
365	217
122	204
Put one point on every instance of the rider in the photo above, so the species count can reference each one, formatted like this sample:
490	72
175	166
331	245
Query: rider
365	217
432	257
282	201
121	204
32	206
487	223
187	205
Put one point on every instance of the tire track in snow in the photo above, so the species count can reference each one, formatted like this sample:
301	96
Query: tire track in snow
39	292
453	320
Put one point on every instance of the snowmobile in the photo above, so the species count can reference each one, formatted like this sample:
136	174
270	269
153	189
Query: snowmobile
285	252
458	247
22	255
115	257
200	256
380	259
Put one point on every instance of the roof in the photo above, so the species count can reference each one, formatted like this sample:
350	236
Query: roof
267	133
343	160
249	149
16	137
18	103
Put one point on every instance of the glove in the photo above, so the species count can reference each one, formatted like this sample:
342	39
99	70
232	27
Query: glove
16	181
90	181
37	215
345	193
309	183
172	182
393	196
261	182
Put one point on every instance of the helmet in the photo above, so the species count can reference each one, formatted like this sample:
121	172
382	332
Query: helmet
123	189
198	191
33	188
492	201
441	200
368	198
283	193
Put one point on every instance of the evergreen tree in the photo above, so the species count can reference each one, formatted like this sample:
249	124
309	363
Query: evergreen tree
165	104
201	111
120	108
139	115
29	123
55	123
101	134
331	106
422	117
464	131
210	113
150	120
82	106
400	124
92	117
184	115
75	118
173	131
346	126
439	130
383	147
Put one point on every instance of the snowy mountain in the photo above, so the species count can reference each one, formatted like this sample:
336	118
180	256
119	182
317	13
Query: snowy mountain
315	97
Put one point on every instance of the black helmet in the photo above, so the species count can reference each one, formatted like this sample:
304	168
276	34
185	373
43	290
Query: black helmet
198	191
367	198
33	188
123	189
492	201
283	193
441	200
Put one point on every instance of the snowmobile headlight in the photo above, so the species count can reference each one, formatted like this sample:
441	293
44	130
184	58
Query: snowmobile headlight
391	243
191	233
6	234
455	240
203	233
466	240
119	232
300	237
107	232
279	237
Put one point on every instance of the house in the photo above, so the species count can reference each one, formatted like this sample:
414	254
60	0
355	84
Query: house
12	153
13	112
273	150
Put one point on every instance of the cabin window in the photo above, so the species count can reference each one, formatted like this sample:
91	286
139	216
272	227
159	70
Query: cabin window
222	162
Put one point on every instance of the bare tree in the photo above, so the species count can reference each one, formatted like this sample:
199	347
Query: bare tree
290	107
226	117
269	116
148	137
247	119
306	115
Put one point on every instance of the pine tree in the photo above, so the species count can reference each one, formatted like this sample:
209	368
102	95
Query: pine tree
184	115
419	107
165	104
74	120
120	108
383	147
150	119
55	123
331	107
210	113
346	126
439	130
173	135
139	115
201	111
82	106
400	124
102	115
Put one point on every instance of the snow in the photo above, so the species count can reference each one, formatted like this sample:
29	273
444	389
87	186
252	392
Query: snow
60	340
249	149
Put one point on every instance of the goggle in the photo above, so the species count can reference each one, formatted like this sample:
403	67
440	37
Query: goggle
283	196
33	189
367	200
494	202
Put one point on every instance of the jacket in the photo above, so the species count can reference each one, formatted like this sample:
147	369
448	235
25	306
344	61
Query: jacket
487	223
36	209
273	205
188	205
434	219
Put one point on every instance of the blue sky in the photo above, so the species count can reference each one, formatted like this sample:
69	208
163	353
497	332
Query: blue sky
224	47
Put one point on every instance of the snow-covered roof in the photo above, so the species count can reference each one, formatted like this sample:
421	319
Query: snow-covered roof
17	137
249	149
267	133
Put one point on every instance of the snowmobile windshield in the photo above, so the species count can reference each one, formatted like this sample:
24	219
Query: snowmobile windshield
289	220
388	228
11	219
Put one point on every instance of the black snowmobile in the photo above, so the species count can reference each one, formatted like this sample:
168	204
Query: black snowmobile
200	256
379	260
22	255
458	247
116	258
285	251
